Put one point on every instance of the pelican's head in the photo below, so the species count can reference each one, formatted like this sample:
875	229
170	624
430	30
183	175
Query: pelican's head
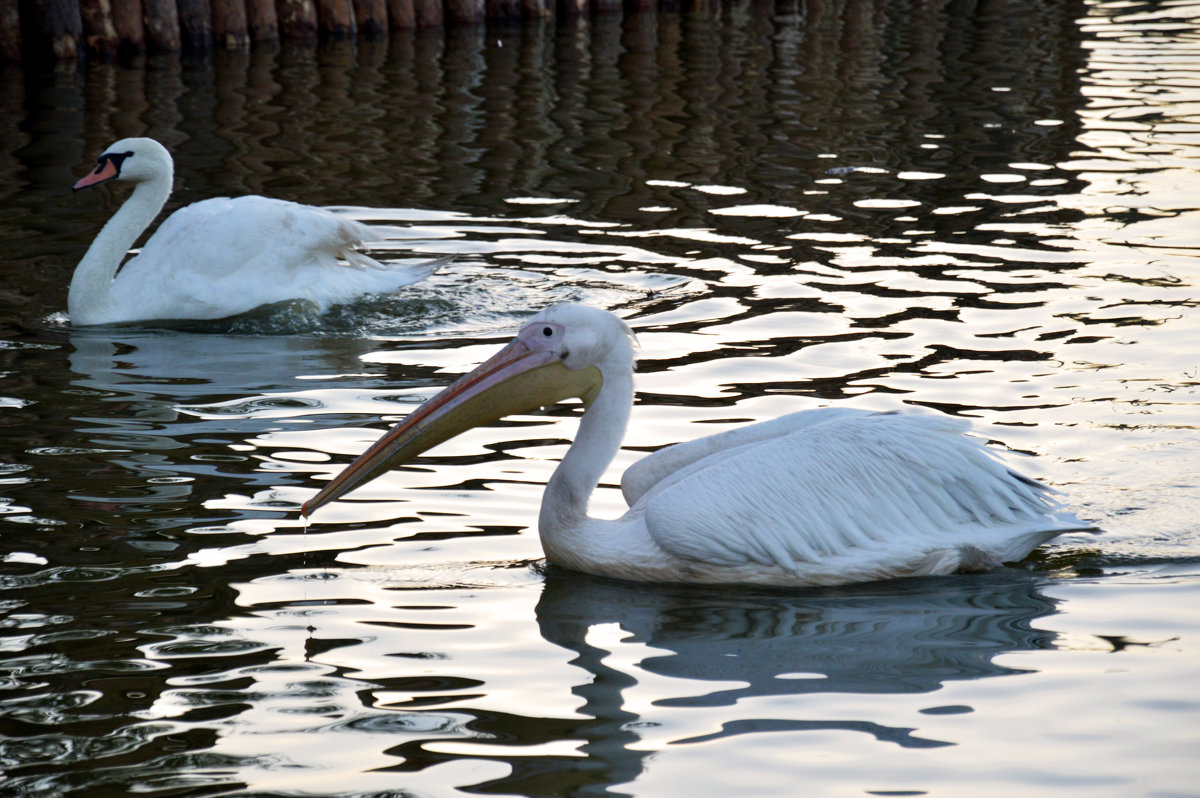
134	160
560	353
583	336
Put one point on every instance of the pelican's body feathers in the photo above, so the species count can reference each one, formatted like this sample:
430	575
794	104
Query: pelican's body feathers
816	496
820	497
218	257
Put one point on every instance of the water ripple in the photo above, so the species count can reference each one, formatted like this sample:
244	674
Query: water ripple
988	212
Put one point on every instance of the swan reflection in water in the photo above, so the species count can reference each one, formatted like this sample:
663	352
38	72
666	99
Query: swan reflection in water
205	365
153	411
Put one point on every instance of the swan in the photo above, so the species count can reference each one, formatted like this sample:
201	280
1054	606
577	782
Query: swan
819	497
218	257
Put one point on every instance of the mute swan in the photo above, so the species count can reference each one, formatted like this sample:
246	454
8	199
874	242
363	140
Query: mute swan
217	257
819	497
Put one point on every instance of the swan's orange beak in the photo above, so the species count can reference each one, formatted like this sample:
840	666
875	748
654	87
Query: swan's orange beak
523	376
105	169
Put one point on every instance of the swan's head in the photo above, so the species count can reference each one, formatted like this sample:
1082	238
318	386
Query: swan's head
134	160
564	351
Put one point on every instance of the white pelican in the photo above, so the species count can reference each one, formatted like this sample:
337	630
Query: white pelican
820	497
218	257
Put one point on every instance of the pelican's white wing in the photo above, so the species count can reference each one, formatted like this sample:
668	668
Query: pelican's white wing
669	461
887	492
223	256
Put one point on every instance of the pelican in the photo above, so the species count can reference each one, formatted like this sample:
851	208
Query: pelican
819	497
218	257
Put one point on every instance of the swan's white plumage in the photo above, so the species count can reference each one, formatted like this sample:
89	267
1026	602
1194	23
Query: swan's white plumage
820	497
218	257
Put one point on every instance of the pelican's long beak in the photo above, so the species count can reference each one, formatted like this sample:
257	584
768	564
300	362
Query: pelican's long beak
525	375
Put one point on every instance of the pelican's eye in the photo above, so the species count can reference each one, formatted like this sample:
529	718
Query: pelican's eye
547	331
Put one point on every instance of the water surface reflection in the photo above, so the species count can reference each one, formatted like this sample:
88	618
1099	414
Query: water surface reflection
985	209
652	666
731	653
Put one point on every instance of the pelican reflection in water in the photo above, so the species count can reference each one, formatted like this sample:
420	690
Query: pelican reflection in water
821	497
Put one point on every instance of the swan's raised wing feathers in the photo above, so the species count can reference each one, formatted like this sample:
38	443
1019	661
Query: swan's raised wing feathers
224	256
217	237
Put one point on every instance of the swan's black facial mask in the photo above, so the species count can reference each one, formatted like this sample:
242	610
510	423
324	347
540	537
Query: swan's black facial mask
108	167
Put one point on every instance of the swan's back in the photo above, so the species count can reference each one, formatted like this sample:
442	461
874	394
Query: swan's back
222	256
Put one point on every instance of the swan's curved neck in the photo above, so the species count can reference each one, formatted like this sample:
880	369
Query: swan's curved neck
601	430
91	284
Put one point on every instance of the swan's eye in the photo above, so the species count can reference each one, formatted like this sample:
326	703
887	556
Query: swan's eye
117	159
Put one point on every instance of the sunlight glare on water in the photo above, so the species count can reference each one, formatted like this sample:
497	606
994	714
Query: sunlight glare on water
987	211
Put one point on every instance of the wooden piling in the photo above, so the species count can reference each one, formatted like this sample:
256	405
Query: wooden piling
371	17
127	21
401	15
195	24
465	12
336	18
297	19
68	29
10	32
58	26
99	35
262	21
161	21
535	9
230	28
428	13
503	9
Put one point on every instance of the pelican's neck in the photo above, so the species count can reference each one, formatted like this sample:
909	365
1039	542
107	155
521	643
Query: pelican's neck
601	430
91	284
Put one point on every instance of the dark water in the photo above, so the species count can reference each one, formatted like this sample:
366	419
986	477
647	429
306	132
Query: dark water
985	209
